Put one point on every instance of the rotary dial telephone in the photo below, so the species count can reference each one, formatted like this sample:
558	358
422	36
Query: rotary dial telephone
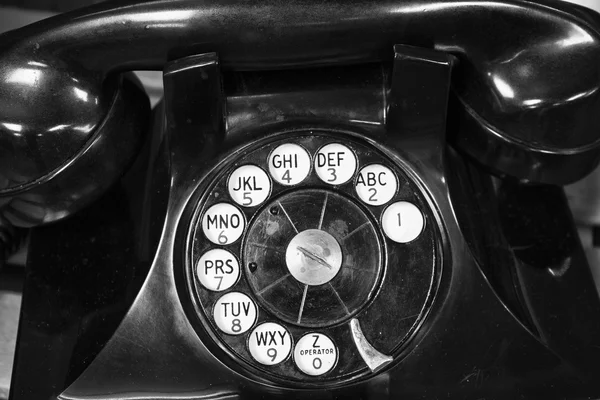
303	238
333	200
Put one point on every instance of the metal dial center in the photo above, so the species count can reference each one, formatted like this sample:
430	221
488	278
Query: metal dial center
313	257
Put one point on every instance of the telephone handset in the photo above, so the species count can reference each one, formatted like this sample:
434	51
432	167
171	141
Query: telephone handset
524	113
350	194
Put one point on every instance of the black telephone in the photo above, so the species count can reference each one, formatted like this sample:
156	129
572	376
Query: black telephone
333	200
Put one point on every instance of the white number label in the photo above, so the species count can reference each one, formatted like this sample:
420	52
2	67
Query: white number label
402	222
315	354
234	313
249	186
289	164
217	270
335	164
376	184
270	343
223	223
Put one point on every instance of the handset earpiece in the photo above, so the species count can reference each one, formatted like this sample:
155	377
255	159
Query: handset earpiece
527	81
54	163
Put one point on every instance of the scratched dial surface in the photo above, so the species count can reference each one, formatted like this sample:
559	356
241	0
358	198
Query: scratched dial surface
302	278
312	259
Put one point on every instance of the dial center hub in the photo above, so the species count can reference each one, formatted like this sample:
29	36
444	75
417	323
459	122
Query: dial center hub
313	257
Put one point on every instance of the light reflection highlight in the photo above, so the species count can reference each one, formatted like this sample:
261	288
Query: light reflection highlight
84	128
25	76
163	16
582	95
452	6
81	94
58	128
360	121
13	127
577	37
503	87
37	64
532	102
166	25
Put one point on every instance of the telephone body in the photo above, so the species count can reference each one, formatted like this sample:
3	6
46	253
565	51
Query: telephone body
333	200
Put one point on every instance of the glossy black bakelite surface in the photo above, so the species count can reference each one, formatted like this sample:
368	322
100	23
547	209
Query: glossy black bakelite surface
513	316
512	311
43	181
524	110
83	275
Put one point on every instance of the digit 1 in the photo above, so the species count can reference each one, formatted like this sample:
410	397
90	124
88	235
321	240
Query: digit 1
399	220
